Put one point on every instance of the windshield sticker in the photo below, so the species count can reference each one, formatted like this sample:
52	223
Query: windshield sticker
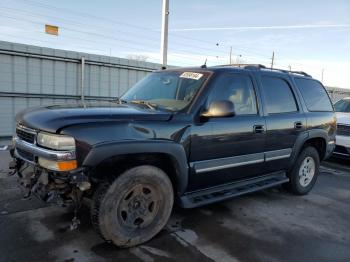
191	75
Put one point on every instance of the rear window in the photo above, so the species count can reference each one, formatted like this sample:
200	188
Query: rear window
314	94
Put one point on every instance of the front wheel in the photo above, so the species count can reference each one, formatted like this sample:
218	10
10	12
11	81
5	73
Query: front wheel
304	174
135	207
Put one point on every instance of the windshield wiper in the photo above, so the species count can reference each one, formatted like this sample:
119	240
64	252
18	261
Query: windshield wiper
150	105
120	101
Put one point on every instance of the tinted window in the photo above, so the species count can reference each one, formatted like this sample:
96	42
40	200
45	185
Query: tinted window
315	96
237	89
278	95
342	106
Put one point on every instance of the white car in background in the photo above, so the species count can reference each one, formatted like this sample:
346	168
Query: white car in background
342	108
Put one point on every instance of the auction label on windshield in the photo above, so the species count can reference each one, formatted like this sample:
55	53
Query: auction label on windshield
191	75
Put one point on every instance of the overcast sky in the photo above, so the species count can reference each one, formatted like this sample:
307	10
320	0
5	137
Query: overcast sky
306	35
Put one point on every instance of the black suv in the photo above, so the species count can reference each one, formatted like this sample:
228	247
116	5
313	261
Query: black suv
192	136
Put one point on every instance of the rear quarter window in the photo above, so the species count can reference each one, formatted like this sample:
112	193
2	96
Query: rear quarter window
314	95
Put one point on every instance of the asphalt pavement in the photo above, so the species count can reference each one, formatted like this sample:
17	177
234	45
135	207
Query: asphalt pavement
271	225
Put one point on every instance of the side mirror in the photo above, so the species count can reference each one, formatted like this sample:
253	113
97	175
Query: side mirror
220	108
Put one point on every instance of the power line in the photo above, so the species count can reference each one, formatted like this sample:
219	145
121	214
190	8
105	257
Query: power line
174	57
74	23
213	57
82	14
41	40
106	36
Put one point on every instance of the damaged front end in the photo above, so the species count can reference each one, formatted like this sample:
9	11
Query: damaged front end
51	175
48	186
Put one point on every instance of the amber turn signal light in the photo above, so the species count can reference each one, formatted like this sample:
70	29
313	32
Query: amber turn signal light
67	165
58	166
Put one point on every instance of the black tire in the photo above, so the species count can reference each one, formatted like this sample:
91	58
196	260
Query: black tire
302	181
134	208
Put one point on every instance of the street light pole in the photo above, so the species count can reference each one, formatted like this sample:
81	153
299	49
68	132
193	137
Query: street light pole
322	75
164	36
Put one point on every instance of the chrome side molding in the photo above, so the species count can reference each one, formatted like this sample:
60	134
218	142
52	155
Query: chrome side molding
243	160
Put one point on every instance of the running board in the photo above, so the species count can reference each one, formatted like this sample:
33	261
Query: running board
219	193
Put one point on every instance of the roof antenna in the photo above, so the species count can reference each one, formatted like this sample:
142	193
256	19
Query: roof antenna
205	64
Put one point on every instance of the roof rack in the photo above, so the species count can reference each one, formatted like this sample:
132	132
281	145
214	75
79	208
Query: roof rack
259	66
246	66
290	71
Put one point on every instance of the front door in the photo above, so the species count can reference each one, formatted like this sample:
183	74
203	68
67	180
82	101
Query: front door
224	149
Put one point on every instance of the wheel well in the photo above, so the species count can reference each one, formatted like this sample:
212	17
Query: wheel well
319	144
112	167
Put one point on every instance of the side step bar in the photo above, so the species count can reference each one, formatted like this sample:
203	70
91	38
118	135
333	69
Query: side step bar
219	193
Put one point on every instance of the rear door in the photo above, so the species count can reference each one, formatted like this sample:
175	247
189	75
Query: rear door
285	119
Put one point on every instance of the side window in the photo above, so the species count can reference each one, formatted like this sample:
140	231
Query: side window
237	89
315	96
278	95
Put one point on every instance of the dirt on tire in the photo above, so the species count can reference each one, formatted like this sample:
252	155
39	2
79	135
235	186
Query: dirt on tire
115	211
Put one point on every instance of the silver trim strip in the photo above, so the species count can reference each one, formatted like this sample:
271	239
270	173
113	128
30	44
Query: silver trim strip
342	154
26	129
229	166
277	157
278	154
236	161
43	152
228	162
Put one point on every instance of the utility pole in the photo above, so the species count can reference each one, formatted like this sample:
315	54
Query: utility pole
231	55
322	75
272	59
290	68
164	36
82	79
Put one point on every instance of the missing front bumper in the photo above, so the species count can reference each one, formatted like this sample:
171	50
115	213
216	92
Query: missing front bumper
48	186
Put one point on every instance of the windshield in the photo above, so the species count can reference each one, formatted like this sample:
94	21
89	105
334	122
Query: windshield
342	105
171	90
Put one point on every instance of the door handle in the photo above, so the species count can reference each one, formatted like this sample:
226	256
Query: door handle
259	129
298	125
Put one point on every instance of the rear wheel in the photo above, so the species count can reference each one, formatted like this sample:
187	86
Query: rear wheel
304	174
135	207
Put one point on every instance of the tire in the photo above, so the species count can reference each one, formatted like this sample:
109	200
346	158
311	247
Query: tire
304	174
134	208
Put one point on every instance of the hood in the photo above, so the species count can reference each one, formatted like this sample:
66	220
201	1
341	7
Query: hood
343	118
53	118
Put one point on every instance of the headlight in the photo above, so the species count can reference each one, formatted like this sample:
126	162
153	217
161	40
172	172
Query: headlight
58	142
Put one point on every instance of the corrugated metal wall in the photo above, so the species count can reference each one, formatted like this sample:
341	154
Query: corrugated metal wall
32	76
